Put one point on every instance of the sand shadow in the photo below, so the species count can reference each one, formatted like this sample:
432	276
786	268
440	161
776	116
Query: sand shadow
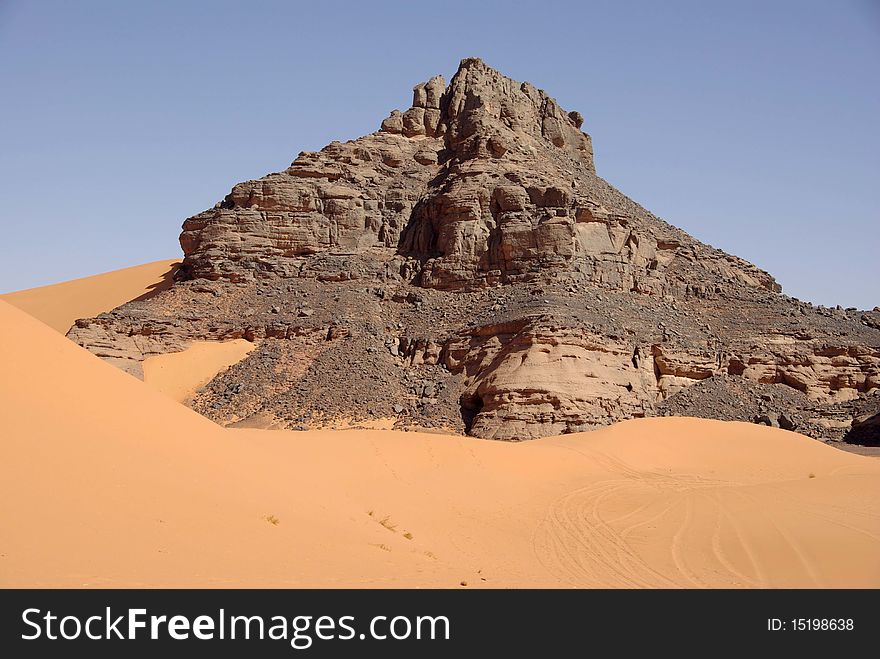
162	285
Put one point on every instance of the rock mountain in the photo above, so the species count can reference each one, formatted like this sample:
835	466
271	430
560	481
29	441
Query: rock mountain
465	268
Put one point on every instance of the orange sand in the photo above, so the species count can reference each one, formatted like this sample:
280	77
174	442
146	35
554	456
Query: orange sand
179	375
59	305
105	482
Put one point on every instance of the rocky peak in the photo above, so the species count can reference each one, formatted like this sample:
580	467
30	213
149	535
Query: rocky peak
424	118
488	114
485	181
484	114
465	267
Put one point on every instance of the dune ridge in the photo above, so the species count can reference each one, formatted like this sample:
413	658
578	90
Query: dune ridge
177	375
60	305
107	483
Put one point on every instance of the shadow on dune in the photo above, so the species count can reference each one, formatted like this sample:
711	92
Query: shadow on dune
162	285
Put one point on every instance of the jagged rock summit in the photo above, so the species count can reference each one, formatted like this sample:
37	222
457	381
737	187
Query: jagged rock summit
486	181
465	268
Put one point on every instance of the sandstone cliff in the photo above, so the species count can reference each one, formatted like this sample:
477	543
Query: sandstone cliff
464	267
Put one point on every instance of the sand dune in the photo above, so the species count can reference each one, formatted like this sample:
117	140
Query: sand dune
177	375
59	305
180	374
106	482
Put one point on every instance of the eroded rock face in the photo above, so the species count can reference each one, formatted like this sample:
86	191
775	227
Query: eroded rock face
538	380
346	198
463	267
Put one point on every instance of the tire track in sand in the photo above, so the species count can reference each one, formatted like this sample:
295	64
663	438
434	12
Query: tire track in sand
577	543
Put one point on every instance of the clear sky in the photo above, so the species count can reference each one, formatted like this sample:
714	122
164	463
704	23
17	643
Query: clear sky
753	125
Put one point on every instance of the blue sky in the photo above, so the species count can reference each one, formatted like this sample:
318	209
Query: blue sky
751	125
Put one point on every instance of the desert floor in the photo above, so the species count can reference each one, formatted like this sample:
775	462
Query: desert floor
108	481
